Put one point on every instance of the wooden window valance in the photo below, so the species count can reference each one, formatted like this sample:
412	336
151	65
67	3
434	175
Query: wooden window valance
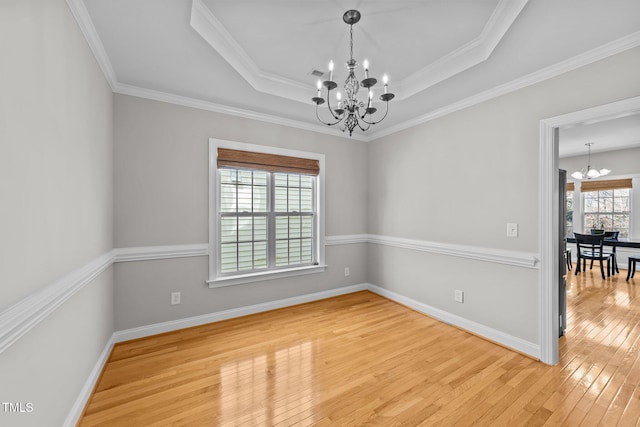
571	186
268	162
612	184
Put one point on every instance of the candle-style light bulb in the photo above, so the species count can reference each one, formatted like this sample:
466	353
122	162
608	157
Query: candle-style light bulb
370	94
365	64
331	71
319	84
385	80
338	96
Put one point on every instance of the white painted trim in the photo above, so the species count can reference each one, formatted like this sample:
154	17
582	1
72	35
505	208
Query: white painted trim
319	230
609	49
549	215
549	238
221	282
145	253
18	319
494	335
21	317
477	50
346	239
466	56
184	101
82	17
518	259
85	393
204	22
159	328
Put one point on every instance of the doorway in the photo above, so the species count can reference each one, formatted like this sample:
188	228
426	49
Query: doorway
549	215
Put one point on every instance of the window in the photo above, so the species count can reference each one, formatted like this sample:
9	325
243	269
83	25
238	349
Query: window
266	218
607	205
569	213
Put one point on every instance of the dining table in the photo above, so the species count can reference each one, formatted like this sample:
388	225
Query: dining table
620	242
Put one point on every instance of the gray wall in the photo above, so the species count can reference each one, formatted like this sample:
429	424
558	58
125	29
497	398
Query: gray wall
161	198
56	192
459	179
621	162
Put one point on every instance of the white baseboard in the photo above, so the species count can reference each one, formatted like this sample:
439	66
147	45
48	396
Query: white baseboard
158	328
85	393
494	335
502	338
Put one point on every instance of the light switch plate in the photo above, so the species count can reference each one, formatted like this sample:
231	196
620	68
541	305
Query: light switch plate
458	296
512	229
175	298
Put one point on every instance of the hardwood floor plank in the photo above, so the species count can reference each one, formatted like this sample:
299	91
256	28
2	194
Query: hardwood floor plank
360	359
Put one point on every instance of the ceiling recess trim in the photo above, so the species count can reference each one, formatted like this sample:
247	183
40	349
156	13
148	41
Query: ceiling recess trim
204	22
468	55
216	35
85	23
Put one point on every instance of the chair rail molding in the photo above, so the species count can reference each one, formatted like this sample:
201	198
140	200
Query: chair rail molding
21	317
500	256
145	253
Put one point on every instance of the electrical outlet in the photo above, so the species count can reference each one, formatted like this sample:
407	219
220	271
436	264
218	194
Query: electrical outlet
347	272
512	229
458	296
175	298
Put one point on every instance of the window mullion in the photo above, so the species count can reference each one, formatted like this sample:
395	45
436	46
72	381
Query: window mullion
271	221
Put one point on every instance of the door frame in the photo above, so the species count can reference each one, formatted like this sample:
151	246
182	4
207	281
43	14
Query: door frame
549	211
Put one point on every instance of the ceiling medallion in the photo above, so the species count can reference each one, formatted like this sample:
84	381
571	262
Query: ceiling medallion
351	112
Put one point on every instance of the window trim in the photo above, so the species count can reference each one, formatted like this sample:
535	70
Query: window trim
215	281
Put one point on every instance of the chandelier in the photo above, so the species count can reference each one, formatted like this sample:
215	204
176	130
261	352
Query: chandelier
351	112
588	172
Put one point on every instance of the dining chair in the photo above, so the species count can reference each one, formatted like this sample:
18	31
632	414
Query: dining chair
567	258
613	237
631	270
590	247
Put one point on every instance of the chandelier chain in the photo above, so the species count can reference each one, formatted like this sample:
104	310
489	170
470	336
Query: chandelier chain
351	38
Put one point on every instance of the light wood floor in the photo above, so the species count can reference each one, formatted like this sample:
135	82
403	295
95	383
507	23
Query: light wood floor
360	359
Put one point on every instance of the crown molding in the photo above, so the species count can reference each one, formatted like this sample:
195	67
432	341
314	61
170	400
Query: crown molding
184	101
497	24
82	17
609	49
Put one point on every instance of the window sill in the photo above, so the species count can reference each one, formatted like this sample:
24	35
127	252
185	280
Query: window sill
267	275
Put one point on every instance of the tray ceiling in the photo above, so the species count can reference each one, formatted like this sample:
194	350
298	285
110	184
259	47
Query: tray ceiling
255	58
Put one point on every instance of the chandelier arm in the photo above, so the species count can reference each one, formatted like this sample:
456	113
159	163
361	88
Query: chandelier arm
385	115
329	106
365	110
364	129
322	121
